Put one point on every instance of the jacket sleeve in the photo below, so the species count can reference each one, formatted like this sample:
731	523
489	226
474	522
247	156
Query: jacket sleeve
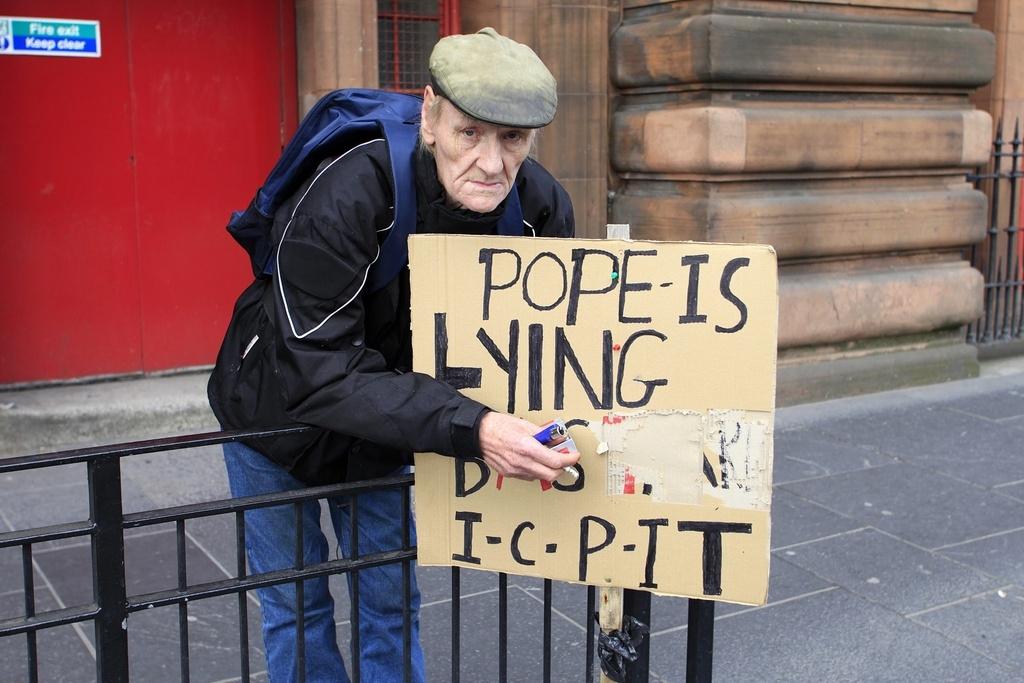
329	378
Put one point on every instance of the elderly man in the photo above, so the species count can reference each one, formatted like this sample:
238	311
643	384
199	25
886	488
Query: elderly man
312	345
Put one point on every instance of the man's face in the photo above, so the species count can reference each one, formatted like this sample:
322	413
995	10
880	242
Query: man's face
477	162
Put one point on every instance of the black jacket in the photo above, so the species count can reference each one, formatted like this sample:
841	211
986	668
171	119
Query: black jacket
310	345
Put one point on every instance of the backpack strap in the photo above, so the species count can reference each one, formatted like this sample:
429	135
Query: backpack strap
511	223
394	252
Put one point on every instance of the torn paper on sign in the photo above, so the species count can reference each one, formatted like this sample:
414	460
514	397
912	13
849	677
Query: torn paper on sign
738	458
655	454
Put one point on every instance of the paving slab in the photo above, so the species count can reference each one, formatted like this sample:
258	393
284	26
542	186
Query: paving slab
569	599
829	636
62	653
670	613
973	448
11	570
62	657
43	478
786	581
796	520
923	507
150	565
992	624
213	638
888	571
215	538
435	583
179	477
809	454
997	405
27	501
1015	490
68	574
25	505
1001	556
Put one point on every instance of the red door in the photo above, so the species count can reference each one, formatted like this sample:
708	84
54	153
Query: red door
119	175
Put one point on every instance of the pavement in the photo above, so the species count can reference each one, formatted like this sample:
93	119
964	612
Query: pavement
897	547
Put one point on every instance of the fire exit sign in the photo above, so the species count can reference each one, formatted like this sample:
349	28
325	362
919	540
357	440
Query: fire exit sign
52	37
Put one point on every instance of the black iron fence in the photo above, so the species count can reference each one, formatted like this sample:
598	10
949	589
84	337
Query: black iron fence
1000	257
111	605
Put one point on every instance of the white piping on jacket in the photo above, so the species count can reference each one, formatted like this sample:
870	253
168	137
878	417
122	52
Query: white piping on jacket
252	343
366	274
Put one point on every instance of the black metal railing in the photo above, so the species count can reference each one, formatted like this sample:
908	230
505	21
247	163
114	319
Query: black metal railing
112	605
1000	257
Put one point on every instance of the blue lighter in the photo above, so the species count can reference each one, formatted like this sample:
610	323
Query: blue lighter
550	432
556	430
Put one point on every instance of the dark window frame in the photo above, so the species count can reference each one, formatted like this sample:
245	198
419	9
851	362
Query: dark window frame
405	38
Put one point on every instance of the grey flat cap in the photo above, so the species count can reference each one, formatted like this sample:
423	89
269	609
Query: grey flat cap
494	79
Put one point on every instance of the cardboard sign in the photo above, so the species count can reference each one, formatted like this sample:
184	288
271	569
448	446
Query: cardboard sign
659	356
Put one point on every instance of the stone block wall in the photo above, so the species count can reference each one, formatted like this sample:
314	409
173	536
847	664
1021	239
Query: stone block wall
840	133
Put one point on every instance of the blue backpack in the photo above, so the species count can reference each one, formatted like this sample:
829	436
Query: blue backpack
338	122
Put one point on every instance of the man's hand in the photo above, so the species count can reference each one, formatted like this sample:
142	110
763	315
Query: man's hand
509	449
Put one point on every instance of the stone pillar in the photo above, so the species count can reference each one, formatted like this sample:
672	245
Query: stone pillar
336	44
572	39
839	133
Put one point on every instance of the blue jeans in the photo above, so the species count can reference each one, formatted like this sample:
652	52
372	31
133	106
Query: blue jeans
270	545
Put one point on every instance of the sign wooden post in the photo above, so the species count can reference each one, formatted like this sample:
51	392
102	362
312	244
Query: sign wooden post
609	616
611	598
